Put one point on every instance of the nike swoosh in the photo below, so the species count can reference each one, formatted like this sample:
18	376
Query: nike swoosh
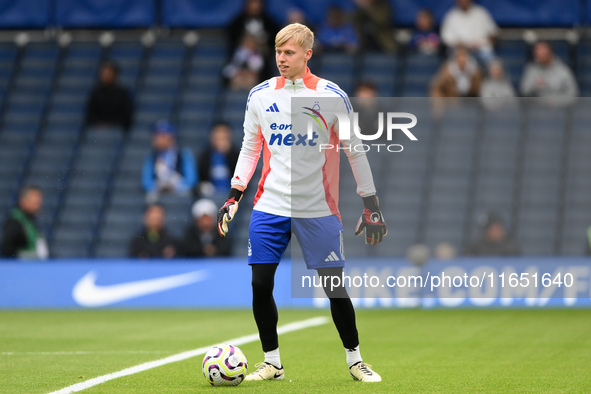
87	293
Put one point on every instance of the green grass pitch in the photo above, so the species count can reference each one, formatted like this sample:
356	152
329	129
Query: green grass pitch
413	350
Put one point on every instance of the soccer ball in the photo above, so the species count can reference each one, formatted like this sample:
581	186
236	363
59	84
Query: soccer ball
225	365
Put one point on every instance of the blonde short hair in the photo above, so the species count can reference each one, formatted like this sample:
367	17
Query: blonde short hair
301	34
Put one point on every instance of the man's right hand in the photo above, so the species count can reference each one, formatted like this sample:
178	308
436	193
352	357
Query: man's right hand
227	212
372	222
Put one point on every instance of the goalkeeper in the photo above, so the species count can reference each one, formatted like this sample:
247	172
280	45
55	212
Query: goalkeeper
316	224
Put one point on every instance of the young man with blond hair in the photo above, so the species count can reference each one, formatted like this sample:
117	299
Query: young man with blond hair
316	224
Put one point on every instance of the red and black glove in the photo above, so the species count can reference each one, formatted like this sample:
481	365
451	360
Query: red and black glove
227	212
372	221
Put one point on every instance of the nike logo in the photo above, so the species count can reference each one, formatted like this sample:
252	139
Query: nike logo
87	293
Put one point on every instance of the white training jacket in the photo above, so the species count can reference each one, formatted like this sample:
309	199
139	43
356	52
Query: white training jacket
303	182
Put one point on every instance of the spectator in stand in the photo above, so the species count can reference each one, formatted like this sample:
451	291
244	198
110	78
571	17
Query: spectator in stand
244	70
425	40
253	21
458	77
202	238
494	240
336	34
548	77
168	168
497	91
588	243
153	241
217	162
109	103
470	25
22	236
373	22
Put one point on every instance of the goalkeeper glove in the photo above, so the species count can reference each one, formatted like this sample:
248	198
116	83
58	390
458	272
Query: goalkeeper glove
372	222
227	212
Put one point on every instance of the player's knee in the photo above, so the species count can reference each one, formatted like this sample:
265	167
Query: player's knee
262	286
263	279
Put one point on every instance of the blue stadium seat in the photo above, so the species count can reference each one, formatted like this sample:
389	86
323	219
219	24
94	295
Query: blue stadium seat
133	158
79	215
513	54
583	66
62	128
81	183
574	238
338	68
112	247
128	56
577	207
418	71
7	60
205	80
52	159
235	101
537	230
62	248
155	103
200	122
382	70
140	136
198	101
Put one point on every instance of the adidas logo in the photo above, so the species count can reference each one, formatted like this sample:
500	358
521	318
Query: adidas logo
272	108
332	257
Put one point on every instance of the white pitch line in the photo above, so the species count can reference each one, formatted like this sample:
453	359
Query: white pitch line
295	326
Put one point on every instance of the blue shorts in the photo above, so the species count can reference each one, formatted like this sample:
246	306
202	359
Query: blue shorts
321	239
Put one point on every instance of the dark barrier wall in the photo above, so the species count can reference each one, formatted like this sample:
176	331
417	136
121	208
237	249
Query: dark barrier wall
30	13
205	13
195	13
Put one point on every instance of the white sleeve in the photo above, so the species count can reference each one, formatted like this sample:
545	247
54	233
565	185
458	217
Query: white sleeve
357	160
360	167
250	151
